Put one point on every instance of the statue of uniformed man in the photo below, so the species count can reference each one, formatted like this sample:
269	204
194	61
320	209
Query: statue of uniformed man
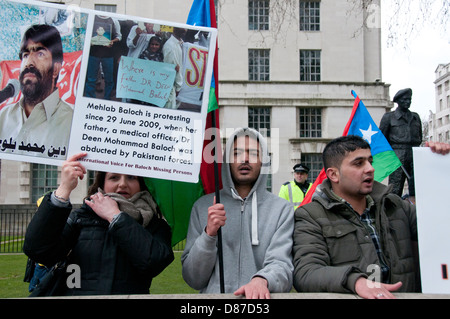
403	130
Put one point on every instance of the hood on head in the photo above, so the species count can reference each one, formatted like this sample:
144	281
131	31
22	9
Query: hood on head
259	187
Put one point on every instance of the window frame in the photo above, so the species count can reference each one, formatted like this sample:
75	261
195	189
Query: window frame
259	65
310	65
106	7
315	164
43	178
310	122
258	15
309	15
260	119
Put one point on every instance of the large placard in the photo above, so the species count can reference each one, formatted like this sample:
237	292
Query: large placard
431	173
136	92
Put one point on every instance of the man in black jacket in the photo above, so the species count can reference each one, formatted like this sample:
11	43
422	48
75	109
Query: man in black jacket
355	236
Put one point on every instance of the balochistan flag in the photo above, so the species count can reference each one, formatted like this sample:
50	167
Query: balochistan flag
361	123
175	199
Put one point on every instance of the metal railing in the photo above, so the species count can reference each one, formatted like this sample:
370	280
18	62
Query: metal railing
14	220
13	226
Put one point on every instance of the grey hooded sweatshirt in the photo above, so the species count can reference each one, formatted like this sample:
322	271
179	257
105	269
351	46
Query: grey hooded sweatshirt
256	239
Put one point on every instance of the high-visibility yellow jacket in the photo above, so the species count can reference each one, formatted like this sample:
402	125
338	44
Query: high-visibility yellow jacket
291	192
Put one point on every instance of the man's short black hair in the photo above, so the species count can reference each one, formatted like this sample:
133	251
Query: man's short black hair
47	35
337	149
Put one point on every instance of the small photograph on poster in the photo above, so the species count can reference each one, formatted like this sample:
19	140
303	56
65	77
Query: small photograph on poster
40	58
147	63
144	95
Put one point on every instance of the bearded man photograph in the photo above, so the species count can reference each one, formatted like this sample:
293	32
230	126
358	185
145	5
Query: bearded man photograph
40	120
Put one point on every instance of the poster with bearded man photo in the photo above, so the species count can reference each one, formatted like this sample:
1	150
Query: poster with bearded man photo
40	61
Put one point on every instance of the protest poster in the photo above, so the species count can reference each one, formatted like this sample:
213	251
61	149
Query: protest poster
43	137
123	93
431	176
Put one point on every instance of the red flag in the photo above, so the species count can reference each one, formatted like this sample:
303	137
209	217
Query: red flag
322	175
207	169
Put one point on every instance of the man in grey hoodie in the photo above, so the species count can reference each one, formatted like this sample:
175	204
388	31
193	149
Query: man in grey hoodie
257	227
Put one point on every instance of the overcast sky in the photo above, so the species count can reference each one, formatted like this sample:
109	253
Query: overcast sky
414	67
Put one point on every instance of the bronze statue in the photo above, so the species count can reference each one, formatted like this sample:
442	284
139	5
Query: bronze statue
403	130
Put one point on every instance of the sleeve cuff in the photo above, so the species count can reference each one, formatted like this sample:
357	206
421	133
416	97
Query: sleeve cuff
57	202
115	218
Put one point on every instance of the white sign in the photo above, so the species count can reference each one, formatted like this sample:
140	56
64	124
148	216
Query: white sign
432	176
126	114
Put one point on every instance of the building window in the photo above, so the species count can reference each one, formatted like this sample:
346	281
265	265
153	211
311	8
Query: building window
259	119
309	15
44	178
311	122
91	178
106	7
258	14
258	65
315	164
310	65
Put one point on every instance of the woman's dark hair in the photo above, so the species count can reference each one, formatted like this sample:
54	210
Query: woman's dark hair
99	181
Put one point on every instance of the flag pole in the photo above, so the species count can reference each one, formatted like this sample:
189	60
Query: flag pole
212	9
406	173
217	191
212	12
203	12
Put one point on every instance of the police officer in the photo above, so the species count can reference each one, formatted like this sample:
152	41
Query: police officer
295	191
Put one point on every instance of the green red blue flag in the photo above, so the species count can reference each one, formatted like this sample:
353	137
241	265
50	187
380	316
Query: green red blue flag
361	123
201	14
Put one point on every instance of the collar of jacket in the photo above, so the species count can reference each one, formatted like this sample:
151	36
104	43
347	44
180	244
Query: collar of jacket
325	196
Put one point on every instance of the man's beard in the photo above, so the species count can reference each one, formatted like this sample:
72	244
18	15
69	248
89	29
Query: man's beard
34	93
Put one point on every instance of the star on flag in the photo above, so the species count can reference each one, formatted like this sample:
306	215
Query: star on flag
367	134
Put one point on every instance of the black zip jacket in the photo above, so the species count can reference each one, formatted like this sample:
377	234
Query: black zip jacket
121	258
